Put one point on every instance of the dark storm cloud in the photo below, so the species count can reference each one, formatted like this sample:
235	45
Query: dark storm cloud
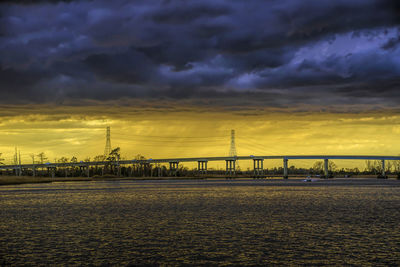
392	43
276	53
129	67
33	2
179	13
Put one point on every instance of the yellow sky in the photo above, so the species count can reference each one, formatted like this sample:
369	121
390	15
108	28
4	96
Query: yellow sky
190	132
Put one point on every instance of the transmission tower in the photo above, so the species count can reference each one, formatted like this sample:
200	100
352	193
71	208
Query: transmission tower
16	157
107	149
232	150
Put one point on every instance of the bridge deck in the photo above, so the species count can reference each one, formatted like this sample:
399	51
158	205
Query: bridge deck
122	162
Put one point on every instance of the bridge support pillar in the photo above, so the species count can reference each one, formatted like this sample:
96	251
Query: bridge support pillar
326	168
258	168
159	170
202	166
33	171
285	168
383	169
173	167
230	167
147	169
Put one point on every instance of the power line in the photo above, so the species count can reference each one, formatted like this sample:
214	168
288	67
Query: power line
171	137
176	140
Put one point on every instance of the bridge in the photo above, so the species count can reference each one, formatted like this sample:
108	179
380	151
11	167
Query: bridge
258	162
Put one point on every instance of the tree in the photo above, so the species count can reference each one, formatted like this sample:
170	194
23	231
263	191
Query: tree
368	166
42	157
396	166
318	166
98	158
74	160
33	158
378	166
63	160
372	166
389	166
1	159
332	166
113	158
140	157
114	155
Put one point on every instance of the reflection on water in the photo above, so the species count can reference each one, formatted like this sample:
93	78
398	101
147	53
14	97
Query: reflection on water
202	222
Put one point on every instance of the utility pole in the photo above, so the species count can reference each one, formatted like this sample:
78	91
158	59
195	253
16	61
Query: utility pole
15	157
119	167
16	162
33	164
20	166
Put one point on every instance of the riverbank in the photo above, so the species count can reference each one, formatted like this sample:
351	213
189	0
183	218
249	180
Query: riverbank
14	180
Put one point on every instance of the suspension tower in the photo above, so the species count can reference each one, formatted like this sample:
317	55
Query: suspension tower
232	150
231	163
107	149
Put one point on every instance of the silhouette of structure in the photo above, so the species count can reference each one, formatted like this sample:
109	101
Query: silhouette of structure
17	161
231	163
232	150
174	163
107	149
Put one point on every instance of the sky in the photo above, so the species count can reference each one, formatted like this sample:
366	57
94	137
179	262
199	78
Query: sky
172	78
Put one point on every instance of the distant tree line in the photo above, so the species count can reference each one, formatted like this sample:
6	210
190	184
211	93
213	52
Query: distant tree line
113	168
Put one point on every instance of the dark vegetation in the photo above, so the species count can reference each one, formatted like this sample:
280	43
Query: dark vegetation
113	169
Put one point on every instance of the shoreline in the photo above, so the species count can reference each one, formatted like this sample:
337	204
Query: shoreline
13	180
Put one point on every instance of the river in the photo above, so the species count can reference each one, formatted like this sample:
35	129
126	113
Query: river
202	222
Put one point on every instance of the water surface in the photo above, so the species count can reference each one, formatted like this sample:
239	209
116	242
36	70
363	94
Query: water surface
210	222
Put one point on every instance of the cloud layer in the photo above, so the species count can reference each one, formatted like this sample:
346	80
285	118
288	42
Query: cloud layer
273	53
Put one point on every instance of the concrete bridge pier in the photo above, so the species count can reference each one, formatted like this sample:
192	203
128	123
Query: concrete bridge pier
230	167
285	168
383	169
258	168
118	169
202	166
173	167
52	171
33	171
159	170
326	168
147	169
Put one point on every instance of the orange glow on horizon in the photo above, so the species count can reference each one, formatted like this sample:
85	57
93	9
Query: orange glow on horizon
80	132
